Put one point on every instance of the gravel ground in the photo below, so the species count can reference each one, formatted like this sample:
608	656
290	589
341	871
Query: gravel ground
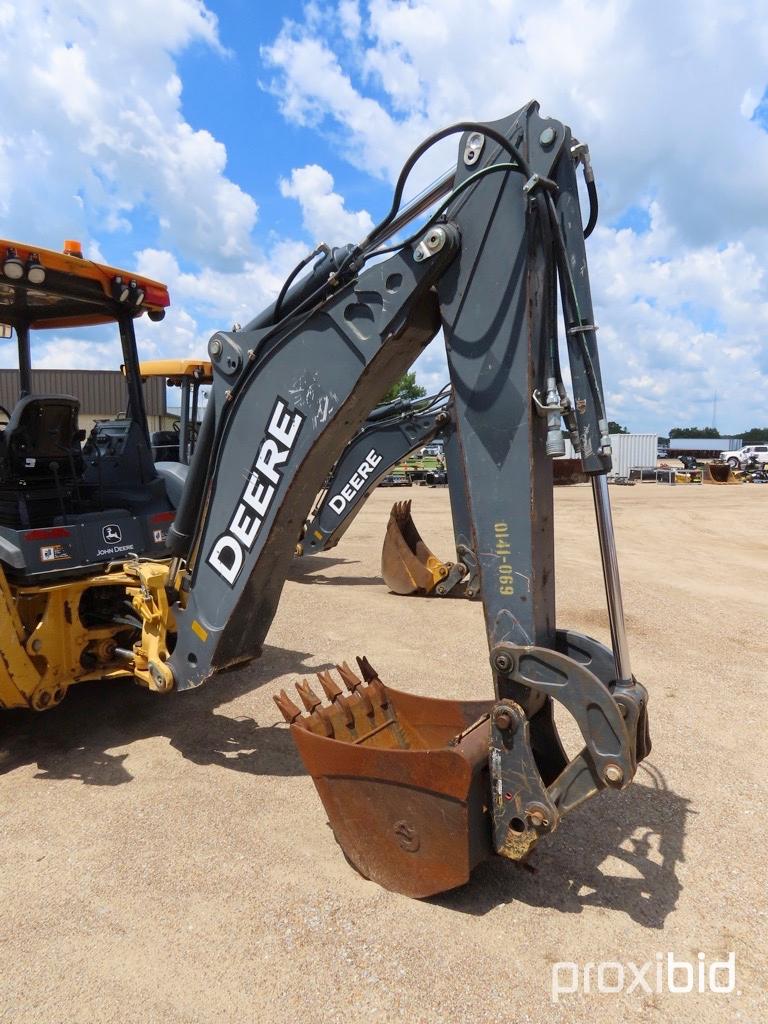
166	859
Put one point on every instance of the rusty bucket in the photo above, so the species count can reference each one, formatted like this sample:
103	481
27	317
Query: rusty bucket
407	564
403	779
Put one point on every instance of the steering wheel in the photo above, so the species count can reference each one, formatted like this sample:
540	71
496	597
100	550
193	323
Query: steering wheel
4	412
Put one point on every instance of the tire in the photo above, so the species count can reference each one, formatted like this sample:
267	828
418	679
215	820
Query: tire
733	463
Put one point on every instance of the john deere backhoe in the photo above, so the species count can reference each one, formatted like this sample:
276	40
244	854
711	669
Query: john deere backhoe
418	789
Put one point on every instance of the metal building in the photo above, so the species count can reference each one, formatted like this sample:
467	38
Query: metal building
102	393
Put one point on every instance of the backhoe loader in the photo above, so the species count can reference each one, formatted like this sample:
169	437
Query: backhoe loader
418	790
189	375
71	512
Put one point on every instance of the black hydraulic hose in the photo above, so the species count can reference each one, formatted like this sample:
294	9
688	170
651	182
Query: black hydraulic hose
292	277
461	126
592	193
315	282
574	321
489	169
550	296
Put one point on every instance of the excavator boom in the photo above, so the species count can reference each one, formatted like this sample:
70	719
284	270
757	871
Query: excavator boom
390	434
419	790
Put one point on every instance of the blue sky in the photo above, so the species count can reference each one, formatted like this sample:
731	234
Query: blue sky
212	145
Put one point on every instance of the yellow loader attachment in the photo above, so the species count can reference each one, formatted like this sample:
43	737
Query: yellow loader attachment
407	564
719	473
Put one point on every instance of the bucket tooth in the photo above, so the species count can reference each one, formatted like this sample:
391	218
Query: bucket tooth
290	712
348	677
367	669
330	689
356	688
376	689
318	715
336	696
309	698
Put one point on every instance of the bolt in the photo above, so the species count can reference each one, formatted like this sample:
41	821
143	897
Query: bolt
548	136
503	720
613	773
470	593
37	646
418	255
215	348
537	815
503	662
441	589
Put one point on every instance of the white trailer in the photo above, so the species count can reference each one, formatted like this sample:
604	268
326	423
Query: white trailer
627	451
705	447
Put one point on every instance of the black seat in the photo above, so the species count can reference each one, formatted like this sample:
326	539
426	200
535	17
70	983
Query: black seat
40	459
42	430
165	446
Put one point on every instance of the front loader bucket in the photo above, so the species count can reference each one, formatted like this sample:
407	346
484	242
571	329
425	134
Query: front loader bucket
717	473
403	779
407	564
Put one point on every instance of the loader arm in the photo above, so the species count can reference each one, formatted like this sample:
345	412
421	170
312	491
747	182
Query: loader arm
419	790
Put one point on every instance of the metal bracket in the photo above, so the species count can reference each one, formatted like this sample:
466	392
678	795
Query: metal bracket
542	407
473	148
463	579
610	731
521	807
430	244
539	181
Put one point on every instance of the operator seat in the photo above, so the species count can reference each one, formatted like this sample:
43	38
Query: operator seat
165	445
43	429
40	458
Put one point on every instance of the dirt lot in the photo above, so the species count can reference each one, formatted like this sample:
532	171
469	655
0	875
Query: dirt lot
166	860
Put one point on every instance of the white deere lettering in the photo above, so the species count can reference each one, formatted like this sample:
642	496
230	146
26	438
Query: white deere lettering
226	558
356	482
229	550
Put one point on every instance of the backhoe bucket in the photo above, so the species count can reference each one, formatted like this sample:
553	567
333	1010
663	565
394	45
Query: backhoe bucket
407	564
403	779
717	473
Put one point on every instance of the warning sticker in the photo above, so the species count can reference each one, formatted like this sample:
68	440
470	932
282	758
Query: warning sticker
54	553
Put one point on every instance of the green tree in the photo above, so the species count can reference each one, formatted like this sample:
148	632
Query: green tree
616	428
755	435
406	388
694	432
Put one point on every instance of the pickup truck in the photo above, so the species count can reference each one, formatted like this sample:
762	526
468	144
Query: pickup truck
743	455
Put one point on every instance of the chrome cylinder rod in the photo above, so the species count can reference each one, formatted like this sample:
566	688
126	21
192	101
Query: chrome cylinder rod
611	576
418	205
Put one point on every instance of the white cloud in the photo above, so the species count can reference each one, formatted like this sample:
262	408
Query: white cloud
93	129
664	94
323	213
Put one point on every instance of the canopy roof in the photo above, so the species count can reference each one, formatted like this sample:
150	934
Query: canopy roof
175	369
44	288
